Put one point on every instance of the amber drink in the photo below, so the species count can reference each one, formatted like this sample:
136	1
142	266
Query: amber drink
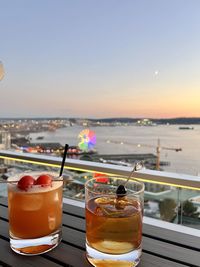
114	222
35	212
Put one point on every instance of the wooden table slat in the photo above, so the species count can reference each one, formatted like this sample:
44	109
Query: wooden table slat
171	251
172	236
71	251
3	200
149	260
13	259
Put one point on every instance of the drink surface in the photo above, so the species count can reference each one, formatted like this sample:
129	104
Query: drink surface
36	212
114	225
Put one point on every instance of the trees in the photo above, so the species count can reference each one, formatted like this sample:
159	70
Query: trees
167	209
189	209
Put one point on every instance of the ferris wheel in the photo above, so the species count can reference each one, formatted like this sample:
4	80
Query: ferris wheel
87	140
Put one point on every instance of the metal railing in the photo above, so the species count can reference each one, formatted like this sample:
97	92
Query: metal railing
178	184
145	175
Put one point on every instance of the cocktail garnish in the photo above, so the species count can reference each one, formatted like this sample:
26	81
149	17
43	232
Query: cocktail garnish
44	180
113	207
26	182
121	189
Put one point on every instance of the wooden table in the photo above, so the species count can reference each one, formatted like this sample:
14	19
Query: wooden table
161	247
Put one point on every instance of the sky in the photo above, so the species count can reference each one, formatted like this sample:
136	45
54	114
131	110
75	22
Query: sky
97	59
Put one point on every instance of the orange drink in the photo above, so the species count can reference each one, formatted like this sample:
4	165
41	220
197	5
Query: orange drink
118	230
35	212
114	222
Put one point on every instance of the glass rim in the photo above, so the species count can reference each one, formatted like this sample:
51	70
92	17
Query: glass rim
119	178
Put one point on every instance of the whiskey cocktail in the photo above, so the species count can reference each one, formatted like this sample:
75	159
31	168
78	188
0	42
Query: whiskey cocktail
35	212
114	222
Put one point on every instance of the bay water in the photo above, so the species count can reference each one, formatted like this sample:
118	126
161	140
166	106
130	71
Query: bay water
139	139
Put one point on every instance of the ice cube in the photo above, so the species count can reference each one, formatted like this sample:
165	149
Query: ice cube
107	206
113	247
104	201
52	221
111	211
123	203
56	197
98	211
31	203
116	207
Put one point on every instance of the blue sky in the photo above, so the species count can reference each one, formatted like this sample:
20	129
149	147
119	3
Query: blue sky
103	58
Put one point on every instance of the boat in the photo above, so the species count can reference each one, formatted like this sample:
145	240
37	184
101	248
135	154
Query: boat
77	151
40	137
186	128
115	162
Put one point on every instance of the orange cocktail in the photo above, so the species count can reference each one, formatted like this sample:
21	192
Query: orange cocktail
114	221
35	212
114	226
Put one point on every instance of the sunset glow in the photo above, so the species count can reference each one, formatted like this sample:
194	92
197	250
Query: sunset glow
100	59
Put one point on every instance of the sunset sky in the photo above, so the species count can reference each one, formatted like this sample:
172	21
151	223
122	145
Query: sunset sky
97	59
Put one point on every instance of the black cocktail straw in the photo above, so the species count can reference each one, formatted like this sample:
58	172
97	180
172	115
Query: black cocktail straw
63	160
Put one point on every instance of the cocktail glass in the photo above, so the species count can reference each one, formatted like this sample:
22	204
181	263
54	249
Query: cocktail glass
35	214
113	222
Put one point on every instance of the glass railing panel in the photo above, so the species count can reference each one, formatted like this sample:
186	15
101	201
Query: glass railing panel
172	204
189	208
161	201
74	180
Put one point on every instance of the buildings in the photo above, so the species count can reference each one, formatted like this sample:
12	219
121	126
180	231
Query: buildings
5	140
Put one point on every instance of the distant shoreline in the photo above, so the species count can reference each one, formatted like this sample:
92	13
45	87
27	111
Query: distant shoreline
173	121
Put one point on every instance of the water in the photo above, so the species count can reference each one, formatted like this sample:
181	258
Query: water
186	161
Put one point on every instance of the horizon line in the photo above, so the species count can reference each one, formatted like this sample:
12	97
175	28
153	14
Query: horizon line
89	118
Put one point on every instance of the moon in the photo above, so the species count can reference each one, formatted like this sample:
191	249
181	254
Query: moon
156	73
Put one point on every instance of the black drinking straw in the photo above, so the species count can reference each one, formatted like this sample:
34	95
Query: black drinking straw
63	160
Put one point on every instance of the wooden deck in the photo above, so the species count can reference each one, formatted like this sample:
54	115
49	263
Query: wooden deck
161	248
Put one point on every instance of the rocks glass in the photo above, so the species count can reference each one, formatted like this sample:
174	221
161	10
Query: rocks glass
113	222
35	212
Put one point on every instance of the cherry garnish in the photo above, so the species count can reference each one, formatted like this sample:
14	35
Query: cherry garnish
44	180
26	182
121	191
